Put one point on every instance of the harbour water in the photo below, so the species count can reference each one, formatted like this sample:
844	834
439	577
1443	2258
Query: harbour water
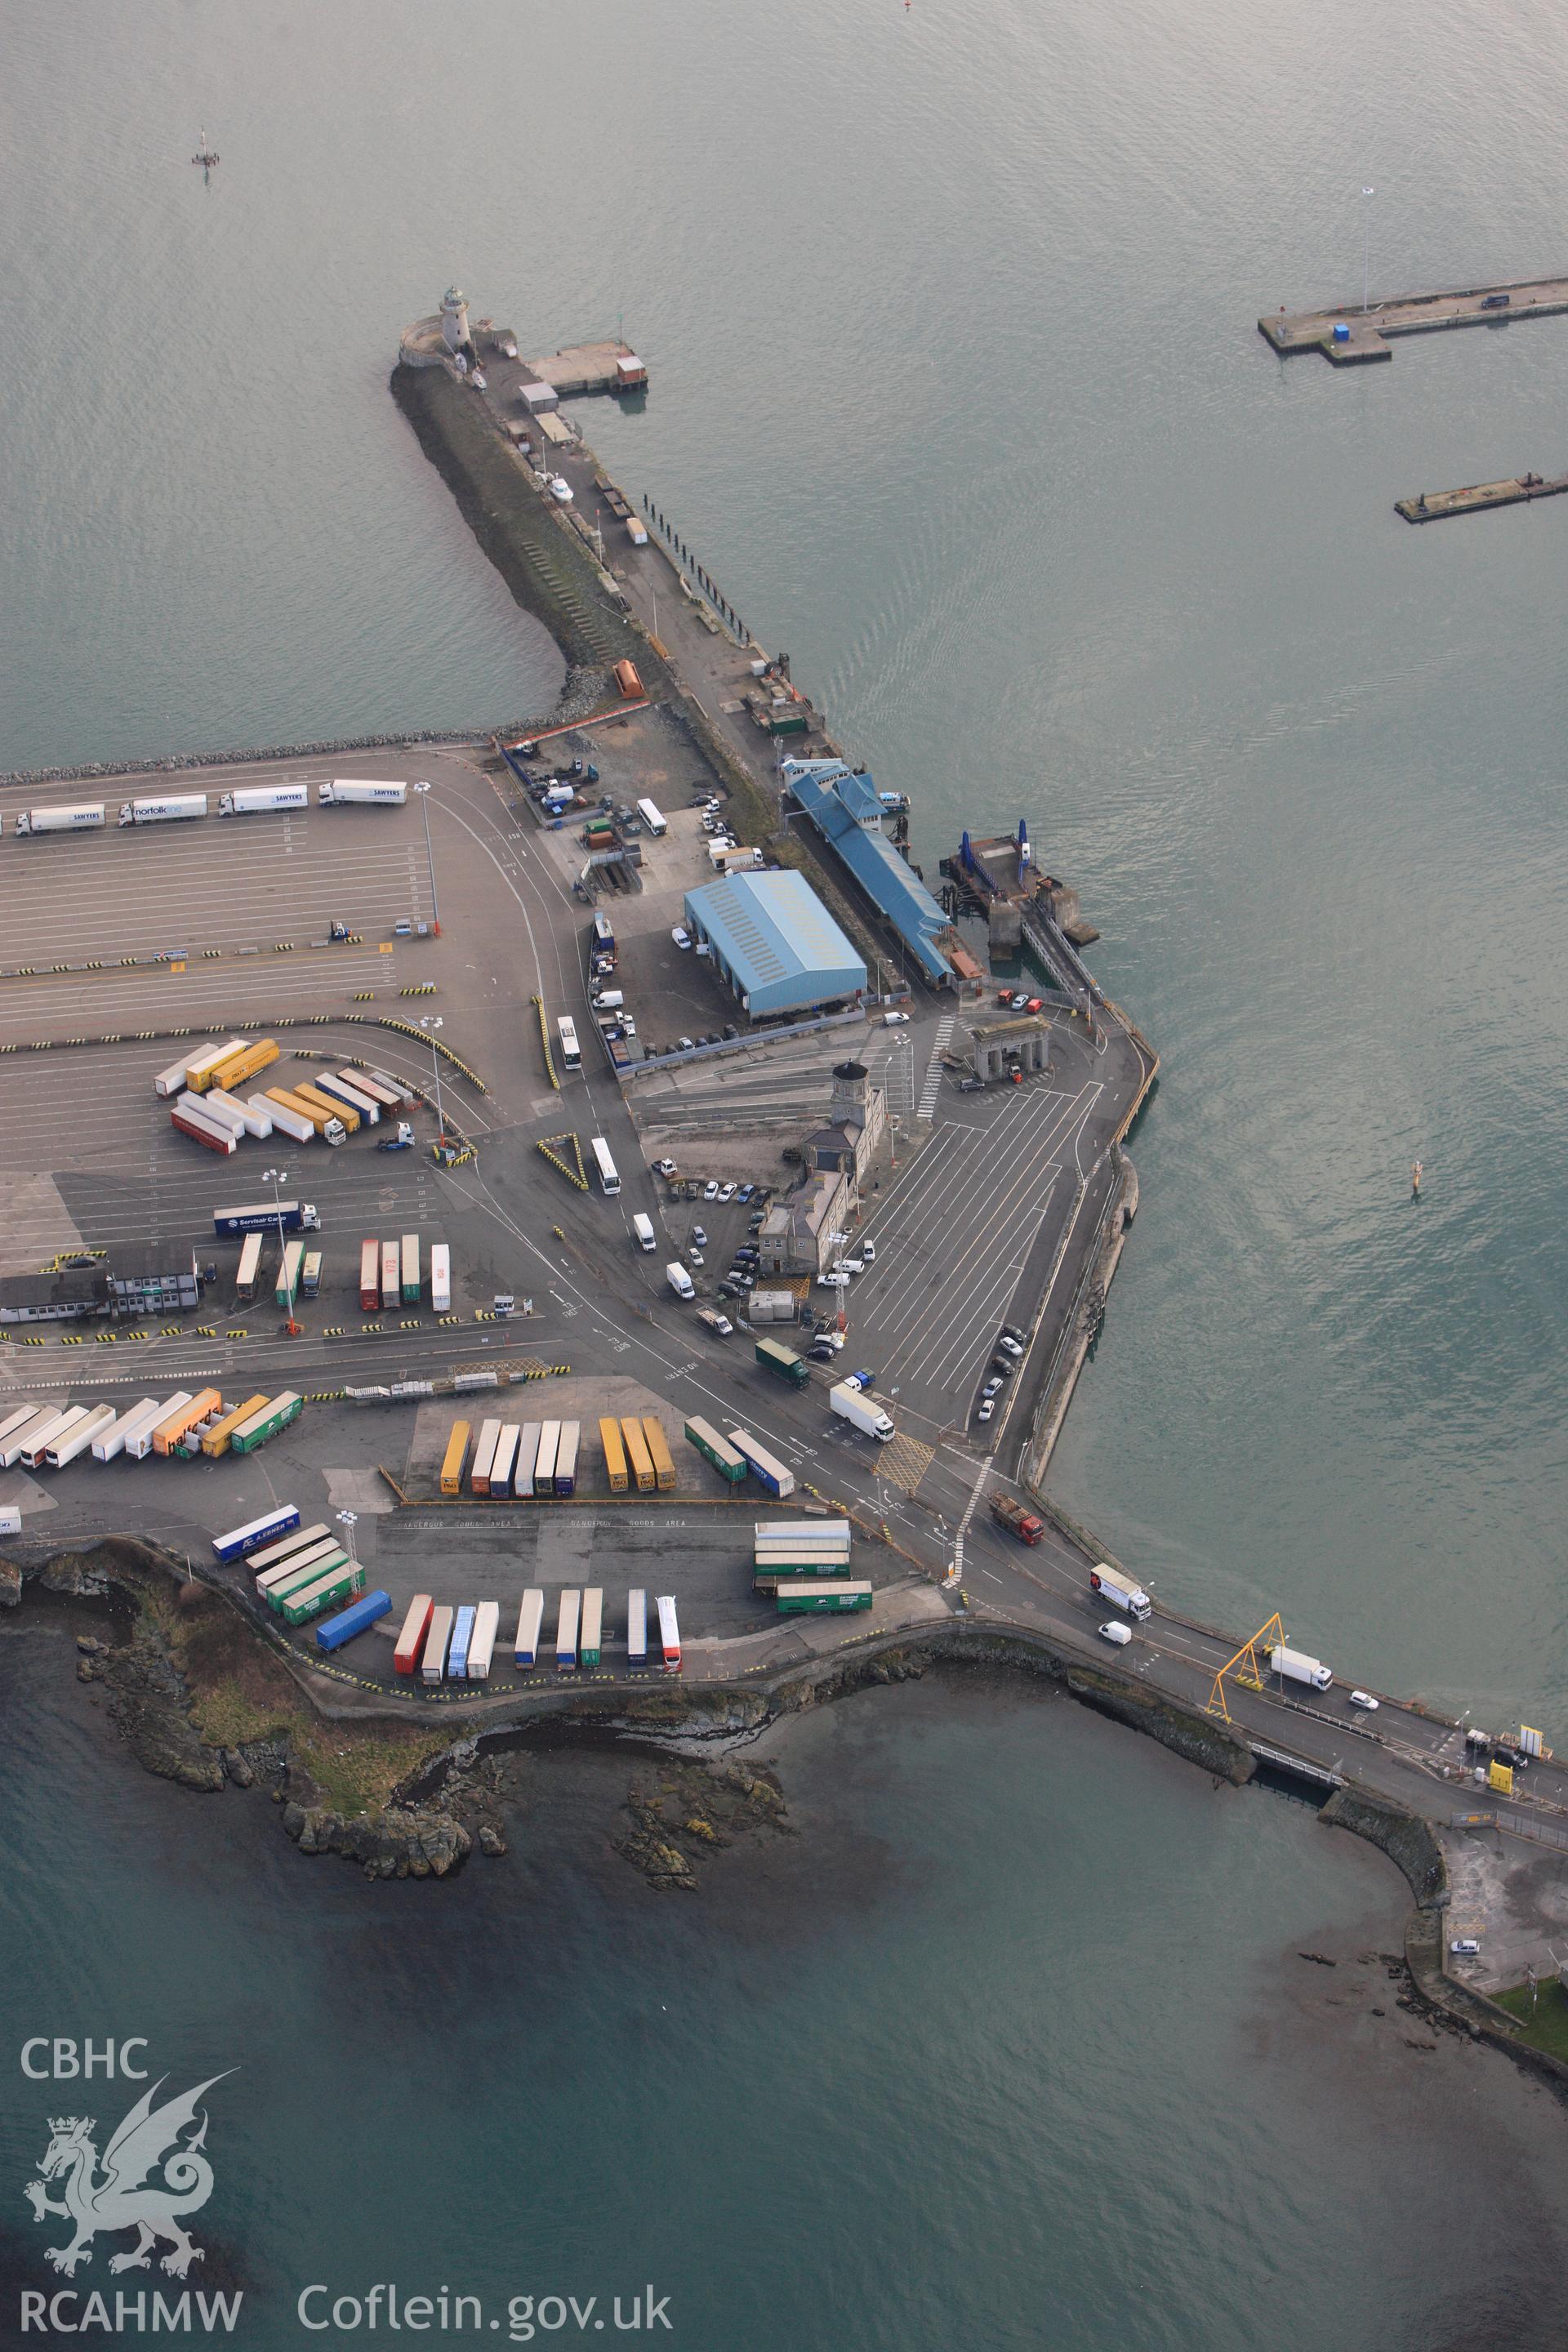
956	388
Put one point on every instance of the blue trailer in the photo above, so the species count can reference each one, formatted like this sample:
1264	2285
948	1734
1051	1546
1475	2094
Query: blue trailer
360	1614
462	1634
256	1532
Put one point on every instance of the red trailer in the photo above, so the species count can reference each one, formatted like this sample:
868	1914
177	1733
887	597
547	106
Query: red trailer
411	1641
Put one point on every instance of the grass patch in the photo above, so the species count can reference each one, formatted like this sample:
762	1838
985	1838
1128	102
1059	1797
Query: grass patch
1544	2027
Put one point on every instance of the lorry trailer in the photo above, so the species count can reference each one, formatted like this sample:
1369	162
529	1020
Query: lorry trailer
340	1090
566	1458
1121	1592
175	810
506	1455
408	1257
530	1617
462	1634
263	800
357	1618
319	1116
109	1442
274	1555
139	1442
851	1404
339	1583
215	1106
636	1628
274	1584
255	1533
590	1640
312	1096
714	1449
289	1274
567	1618
783	1364
292	1123
527	1459
279	1413
201	1070
310	1273
1296	1666
456	1452
23	1430
217	1440
802	1597
244	1062
614	1455
763	1465
267	1216
243	1117
639	1461
66	1448
349	794
440	1278
391	1274
172	1081
482	1641
364	1084
658	1454
484	1456
50	1432
185	1417
411	1640
433	1658
369	1277
79	816
203	1130
669	1633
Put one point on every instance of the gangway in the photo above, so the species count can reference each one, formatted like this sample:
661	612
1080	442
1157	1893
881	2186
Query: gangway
1244	1667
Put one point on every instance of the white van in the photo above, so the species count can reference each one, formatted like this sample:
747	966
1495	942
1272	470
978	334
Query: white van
679	1281
643	1228
608	1000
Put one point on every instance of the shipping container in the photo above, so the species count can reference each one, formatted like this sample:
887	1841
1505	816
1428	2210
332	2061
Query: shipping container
409	1258
315	1097
277	1414
530	1617
172	1081
658	1454
669	1633
268	1217
484	1457
567	1459
590	1640
39	1419
202	1129
199	1070
288	1274
250	1273
215	1441
806	1596
714	1449
545	1461
527	1461
276	1555
636	1628
441	1278
614	1455
244	1062
66	1446
357	1618
462	1634
391	1274
339	1583
639	1461
274	1585
310	1273
255	1533
139	1442
506	1454
456	1454
411	1641
567	1617
365	1108
109	1444
433	1660
174	1425
482	1641
369	1277
263	800
761	1463
285	1115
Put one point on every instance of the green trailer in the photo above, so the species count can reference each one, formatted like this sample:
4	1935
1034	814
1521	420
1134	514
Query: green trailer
341	1584
783	1364
327	1562
713	1449
313	1560
766	1573
276	1415
803	1596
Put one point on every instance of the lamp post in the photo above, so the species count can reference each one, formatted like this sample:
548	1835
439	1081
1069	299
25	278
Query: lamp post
348	1521
423	793
1367	193
276	1178
428	1023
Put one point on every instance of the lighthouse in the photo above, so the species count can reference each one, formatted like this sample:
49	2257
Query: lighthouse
454	318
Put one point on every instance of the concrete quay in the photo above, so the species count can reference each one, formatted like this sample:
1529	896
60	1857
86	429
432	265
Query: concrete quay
1370	331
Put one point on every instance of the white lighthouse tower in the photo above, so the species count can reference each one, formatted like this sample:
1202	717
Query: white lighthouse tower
454	318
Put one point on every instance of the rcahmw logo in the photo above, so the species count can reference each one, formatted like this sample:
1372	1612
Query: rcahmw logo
152	2175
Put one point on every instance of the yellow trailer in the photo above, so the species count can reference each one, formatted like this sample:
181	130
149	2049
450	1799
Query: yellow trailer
314	1101
216	1442
184	1419
289	1100
639	1461
452	1462
614	1455
246	1064
659	1453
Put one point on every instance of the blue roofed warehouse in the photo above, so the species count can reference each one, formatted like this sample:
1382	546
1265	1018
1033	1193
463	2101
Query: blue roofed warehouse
774	943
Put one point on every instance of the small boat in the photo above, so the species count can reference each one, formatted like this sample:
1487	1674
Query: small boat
205	155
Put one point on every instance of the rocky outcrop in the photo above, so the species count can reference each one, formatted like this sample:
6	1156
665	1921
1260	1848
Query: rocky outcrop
402	1842
147	1706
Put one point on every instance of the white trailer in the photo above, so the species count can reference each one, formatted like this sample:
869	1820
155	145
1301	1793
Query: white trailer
286	1121
349	794
139	1443
218	1107
65	1449
263	800
1121	1592
172	811
110	1441
851	1404
84	816
1296	1666
440	1278
254	1120
34	1450
22	1432
172	1081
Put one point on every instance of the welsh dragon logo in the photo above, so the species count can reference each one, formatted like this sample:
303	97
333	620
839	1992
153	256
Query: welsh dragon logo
121	2196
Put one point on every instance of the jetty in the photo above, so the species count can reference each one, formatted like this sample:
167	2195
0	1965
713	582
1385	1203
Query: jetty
1435	506
1351	336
